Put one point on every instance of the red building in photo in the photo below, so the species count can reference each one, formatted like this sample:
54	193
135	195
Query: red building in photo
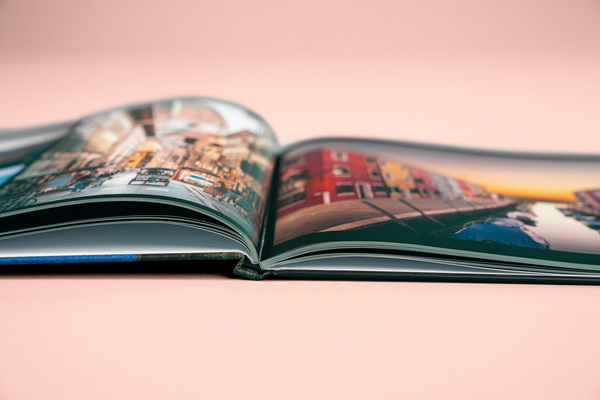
425	187
328	175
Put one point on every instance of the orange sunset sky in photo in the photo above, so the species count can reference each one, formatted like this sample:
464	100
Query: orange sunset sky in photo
546	180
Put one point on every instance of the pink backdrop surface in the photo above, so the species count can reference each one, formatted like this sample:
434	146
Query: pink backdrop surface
517	75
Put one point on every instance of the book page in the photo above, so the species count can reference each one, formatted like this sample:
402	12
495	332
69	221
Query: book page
204	153
358	191
23	146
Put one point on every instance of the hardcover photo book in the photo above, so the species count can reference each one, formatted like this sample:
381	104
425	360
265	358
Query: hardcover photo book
202	180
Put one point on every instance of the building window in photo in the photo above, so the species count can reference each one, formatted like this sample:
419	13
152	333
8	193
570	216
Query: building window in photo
370	160
341	170
344	189
379	189
374	174
339	155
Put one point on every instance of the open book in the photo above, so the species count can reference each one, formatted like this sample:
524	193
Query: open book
204	179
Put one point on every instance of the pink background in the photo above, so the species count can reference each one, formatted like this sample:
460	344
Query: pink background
498	74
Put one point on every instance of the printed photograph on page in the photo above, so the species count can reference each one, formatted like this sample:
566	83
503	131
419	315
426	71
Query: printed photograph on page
213	154
363	191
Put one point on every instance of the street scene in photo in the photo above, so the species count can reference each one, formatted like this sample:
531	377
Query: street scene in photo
206	152
386	190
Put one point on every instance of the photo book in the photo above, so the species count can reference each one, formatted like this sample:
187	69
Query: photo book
204	180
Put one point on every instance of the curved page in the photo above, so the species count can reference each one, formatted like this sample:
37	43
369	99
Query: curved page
205	154
341	193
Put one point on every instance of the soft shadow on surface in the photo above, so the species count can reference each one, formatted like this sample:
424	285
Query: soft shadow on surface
137	270
223	270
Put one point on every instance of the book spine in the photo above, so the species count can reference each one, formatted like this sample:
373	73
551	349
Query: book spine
250	271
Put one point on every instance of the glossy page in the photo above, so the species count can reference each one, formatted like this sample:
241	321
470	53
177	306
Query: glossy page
206	154
345	191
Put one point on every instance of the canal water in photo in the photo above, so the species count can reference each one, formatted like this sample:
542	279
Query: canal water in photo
564	233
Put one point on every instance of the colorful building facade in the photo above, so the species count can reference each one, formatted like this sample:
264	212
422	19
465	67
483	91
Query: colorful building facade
425	188
397	178
328	175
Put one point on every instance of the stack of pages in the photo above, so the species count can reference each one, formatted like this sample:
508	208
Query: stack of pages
204	179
